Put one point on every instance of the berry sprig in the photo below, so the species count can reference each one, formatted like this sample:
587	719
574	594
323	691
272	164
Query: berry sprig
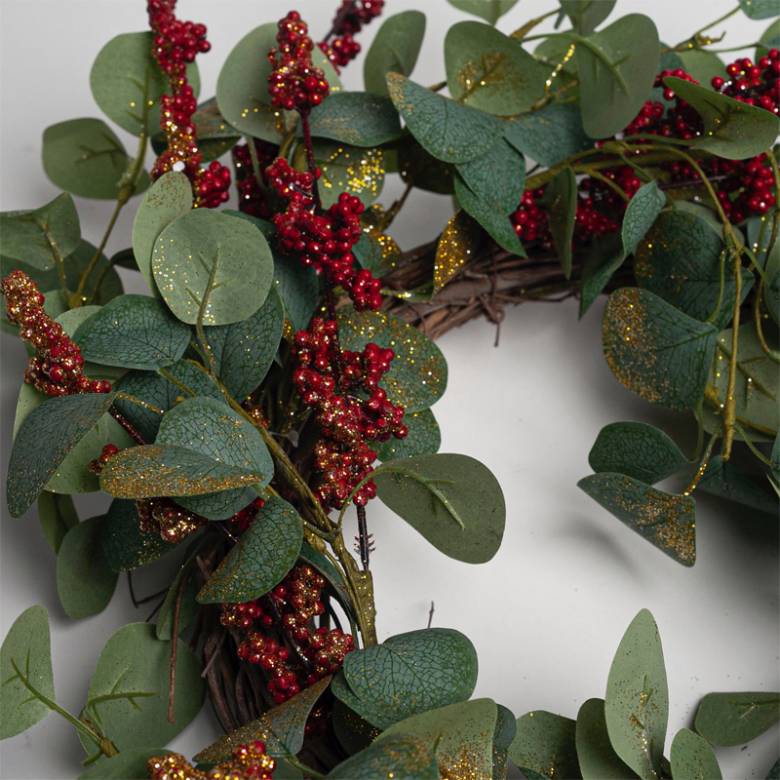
248	762
177	43
57	367
340	45
757	84
252	198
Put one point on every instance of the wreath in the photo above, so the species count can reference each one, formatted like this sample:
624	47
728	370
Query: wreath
282	370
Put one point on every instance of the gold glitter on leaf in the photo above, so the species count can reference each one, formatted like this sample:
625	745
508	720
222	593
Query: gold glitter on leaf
360	172
454	249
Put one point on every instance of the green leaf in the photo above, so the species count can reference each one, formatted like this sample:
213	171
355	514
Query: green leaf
421	169
299	289
127	765
155	470
128	693
26	649
506	729
123	544
701	64
692	757
769	40
127	84
637	701
461	736
84	157
215	136
681	261
452	500
43	236
638	450
603	259
395	48
489	10
491	71
730	719
244	351
418	374
281	728
597	759
642	211
402	758
732	129
169	198
133	331
60	422
549	135
447	130
408	674
544	744
774	772
160	394
725	479
616	68
209	427
758	9
655	350
343	168
264	554
212	268
665	520
587	15
57	516
356	118
560	199
85	582
424	438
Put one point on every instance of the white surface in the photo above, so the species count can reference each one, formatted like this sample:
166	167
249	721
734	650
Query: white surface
548	612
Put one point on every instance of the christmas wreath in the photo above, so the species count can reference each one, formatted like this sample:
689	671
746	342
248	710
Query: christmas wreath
281	373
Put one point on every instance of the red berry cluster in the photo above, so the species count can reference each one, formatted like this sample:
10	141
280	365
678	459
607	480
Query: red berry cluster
757	84
340	46
165	517
351	409
248	762
57	367
176	43
295	84
323	241
291	609
108	452
252	198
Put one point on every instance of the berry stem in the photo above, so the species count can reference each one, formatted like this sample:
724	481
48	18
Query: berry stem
363	540
310	161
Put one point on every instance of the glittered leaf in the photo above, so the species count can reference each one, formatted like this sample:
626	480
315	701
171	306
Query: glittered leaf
170	197
410	673
299	288
26	649
127	84
57	516
127	765
360	172
243	352
616	67
356	118
418	373
655	350
596	757
680	260
549	135
85	581
637	701
264	554
560	201
42	236
603	259
133	331
491	71
732	129
461	736
395	48
665	520
506	728
424	438
638	450
134	661
154	470
447	130
60	422
212	268
730	719
641	212
84	157
457	244
124	545
586	15
215	135
401	757
693	757
727	480
758	9
281	728
544	744
454	501
489	10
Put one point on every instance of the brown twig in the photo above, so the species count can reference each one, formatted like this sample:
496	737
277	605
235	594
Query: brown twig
174	648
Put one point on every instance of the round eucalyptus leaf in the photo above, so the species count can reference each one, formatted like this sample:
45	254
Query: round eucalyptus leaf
395	48
424	438
693	756
544	744
489	10
401	757
597	759
729	719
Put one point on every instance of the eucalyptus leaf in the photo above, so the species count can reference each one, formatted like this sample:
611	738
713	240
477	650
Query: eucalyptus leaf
544	744
422	170
401	757
727	480
344	168
560	199
127	765
423	438
730	719
597	759
548	135
703	65
123	544
57	516
758	9
693	757
298	287
452	500
604	258
587	15
181	596
395	48
356	118
642	211
489	10
770	39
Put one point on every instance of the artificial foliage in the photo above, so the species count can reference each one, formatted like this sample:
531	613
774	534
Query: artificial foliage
282	369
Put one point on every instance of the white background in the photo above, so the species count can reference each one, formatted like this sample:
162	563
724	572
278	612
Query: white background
548	612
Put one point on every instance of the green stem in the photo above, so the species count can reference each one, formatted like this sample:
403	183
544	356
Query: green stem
720	19
521	32
704	463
